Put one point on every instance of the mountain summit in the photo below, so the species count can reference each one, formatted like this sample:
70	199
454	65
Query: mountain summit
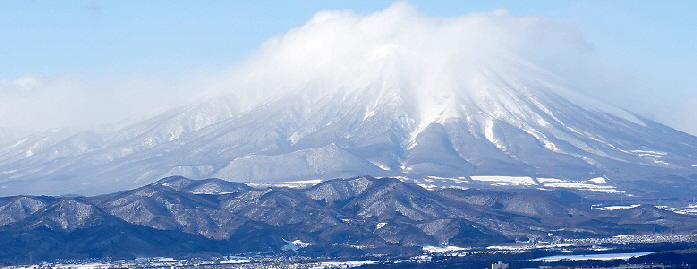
394	93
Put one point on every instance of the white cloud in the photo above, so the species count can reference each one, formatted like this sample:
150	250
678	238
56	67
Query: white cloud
33	103
338	49
334	50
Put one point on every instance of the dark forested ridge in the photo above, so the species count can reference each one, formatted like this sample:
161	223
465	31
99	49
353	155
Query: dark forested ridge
341	217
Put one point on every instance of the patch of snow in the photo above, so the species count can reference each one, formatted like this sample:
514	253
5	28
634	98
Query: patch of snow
300	243
549	180
489	134
382	166
211	192
463	179
578	185
616	207
294	245
598	180
380	225
527	246
91	265
298	184
660	162
313	181
429	187
597	257
649	153
234	261
691	209
505	180
369	114
442	249
294	138
589	185
344	264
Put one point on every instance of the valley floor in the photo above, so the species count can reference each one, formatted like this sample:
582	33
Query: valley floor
618	255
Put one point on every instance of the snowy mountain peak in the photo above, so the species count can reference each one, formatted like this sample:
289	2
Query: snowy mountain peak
393	93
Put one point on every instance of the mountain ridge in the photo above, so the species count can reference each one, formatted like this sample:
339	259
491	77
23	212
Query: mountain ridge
346	217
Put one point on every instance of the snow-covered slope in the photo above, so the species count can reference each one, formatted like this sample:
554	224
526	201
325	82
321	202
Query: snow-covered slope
513	128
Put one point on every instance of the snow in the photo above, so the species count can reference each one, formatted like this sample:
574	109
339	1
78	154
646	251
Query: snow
598	184
369	114
380	225
298	184
542	183
294	138
598	257
582	186
489	134
234	261
528	246
598	180
505	180
294	245
649	153
428	186
617	207
549	180
87	265
442	249
382	166
312	182
344	264
690	209
300	243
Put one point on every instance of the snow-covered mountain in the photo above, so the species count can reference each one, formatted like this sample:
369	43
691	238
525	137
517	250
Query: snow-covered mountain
393	93
501	125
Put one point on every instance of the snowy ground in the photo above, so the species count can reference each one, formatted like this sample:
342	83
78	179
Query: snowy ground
597	257
597	184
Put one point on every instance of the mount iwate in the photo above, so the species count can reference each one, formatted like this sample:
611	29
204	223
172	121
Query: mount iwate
411	104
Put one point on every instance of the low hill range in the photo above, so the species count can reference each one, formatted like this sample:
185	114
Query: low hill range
340	218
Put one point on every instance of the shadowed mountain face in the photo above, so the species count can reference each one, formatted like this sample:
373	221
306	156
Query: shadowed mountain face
343	216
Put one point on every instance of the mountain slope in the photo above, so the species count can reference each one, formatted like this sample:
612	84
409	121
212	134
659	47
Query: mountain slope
288	140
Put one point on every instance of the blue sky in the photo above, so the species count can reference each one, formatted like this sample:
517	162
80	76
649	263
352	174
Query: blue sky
644	50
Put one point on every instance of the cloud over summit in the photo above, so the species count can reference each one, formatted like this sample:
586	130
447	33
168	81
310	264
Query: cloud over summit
339	48
334	50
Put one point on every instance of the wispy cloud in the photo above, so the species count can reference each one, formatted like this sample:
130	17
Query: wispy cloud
333	49
336	49
32	103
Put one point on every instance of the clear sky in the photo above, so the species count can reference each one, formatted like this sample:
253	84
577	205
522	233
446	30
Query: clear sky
82	56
